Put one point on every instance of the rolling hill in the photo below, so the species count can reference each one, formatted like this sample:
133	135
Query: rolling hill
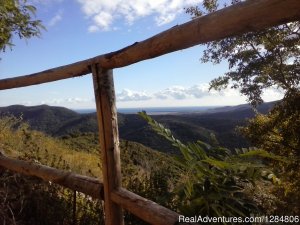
220	122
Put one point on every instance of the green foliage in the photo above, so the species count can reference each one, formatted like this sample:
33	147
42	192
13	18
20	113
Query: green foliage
155	175
279	129
148	173
278	132
208	5
257	61
214	178
82	141
16	19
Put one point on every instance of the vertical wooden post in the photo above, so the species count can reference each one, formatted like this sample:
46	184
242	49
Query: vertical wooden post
109	141
74	208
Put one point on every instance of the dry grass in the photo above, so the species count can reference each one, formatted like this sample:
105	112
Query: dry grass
32	145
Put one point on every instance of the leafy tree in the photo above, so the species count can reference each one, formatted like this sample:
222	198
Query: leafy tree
16	18
279	132
259	60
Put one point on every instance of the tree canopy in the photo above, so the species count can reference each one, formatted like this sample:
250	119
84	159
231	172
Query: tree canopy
257	61
17	18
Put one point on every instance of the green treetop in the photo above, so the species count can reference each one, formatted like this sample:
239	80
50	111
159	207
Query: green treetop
257	60
17	18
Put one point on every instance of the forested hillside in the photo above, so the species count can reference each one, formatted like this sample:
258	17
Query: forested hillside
218	125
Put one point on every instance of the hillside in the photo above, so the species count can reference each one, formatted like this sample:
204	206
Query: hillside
32	201
42	117
220	122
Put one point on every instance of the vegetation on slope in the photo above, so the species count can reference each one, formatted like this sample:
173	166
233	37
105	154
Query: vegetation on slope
258	61
220	177
25	198
62	122
214	180
29	200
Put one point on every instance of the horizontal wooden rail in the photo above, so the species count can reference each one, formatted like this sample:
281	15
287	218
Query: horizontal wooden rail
244	17
145	209
84	184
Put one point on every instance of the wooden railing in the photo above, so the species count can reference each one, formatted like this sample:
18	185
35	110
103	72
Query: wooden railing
247	16
148	210
88	185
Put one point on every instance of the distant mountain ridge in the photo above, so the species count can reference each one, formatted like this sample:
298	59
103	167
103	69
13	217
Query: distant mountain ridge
221	122
42	117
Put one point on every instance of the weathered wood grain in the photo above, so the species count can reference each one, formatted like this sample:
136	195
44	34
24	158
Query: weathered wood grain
145	209
109	141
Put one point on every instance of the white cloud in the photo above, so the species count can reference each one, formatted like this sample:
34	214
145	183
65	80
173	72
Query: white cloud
178	92
103	13
128	95
76	100
93	28
272	94
165	19
175	93
55	19
62	101
103	20
199	91
194	93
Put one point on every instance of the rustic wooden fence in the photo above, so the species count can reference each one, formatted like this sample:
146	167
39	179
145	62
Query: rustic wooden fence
247	16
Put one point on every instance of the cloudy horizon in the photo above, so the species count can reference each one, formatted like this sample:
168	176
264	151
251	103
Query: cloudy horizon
174	96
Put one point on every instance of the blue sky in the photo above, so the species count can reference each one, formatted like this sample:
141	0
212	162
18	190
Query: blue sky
80	29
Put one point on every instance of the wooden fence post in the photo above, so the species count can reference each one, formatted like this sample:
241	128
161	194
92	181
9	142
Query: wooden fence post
74	208
109	141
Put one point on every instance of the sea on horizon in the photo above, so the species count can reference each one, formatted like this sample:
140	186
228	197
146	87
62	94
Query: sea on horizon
156	110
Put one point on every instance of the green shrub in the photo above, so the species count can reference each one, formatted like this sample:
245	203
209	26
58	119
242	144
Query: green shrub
214	179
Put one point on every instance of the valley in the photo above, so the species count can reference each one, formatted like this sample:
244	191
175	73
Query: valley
214	126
